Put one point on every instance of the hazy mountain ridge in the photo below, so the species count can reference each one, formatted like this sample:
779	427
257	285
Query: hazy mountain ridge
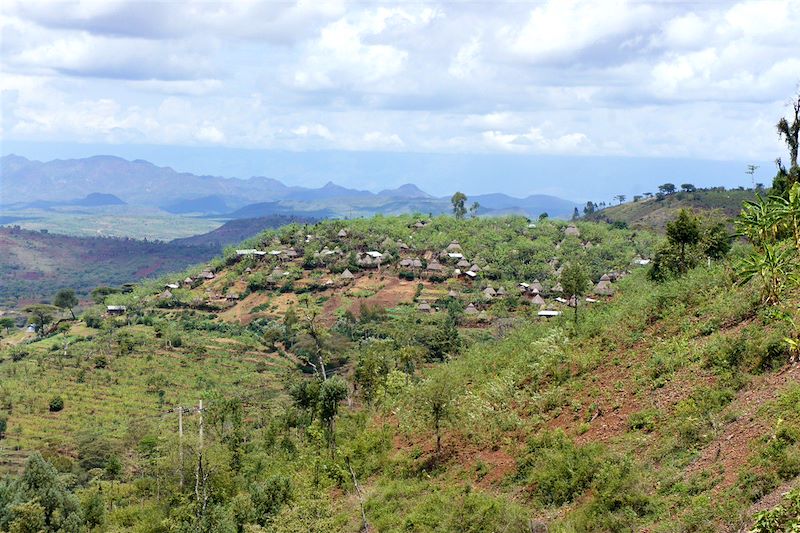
143	183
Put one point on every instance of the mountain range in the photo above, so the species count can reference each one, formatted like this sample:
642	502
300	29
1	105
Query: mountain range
24	182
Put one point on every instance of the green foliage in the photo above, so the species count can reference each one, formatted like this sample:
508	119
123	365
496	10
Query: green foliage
56	404
556	470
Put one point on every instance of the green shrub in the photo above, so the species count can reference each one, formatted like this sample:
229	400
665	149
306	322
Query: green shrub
56	404
644	420
557	470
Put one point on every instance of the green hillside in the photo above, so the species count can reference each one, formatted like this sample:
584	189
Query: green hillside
656	212
414	397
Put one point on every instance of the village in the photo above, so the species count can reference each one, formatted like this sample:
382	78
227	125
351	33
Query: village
334	264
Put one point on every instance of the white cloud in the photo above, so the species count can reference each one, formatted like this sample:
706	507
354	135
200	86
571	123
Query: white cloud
558	29
591	77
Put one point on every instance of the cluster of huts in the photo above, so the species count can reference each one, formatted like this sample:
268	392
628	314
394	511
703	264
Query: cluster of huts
450	262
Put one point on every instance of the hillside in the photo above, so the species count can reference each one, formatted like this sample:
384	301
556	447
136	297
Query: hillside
352	372
654	212
35	265
237	230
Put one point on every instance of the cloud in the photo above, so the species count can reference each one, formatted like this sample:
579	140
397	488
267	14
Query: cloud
559	76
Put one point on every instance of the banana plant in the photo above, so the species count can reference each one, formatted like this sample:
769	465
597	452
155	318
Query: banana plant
774	266
759	221
788	212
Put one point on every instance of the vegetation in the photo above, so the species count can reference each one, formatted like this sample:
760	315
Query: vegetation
278	394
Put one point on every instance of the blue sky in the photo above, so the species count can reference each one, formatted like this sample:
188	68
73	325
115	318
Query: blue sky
451	90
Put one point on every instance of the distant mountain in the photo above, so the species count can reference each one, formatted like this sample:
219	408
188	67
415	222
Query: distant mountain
142	183
409	190
207	204
94	199
97	199
268	209
235	231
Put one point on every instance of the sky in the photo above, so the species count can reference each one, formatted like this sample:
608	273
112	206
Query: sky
316	90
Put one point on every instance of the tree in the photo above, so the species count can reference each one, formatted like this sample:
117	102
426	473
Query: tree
575	282
459	199
790	132
40	315
589	208
576	214
543	216
331	392
683	231
637	197
688	187
435	397
99	293
66	299
473	209
620	198
6	323
667	188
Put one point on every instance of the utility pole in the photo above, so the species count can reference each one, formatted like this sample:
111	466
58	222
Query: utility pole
751	169
198	473
180	445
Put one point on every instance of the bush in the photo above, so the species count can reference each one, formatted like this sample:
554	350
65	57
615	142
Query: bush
644	420
3	426
56	404
557	470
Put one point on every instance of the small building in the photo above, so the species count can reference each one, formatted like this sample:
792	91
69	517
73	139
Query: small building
116	309
166	295
475	268
501	291
463	264
604	288
424	307
454	247
455	255
188	282
548	313
537	300
250	251
572	231
206	274
536	286
470	274
435	266
347	275
342	233
489	292
232	296
172	286
557	288
471	310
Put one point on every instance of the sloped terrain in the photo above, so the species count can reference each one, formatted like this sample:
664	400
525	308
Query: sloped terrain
665	406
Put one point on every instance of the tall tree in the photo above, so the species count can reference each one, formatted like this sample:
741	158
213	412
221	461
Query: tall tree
459	200
473	209
667	188
682	232
66	299
40	315
688	187
789	132
620	198
576	214
575	283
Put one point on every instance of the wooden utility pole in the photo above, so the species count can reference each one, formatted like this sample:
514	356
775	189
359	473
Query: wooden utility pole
180	445
198	473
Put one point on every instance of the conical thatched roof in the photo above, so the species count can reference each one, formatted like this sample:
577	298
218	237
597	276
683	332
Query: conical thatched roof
537	300
490	292
454	247
471	310
346	274
342	233
604	288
